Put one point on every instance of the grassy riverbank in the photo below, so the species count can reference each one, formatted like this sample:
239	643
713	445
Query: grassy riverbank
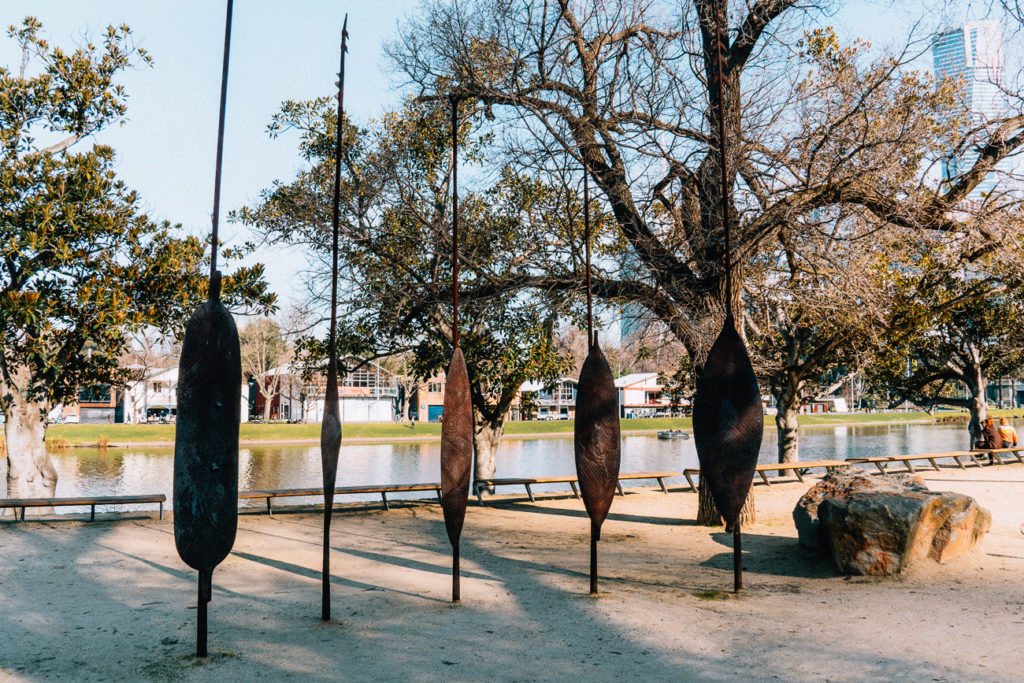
121	433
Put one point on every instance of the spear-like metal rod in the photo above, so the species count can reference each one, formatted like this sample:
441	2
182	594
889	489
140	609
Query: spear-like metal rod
590	346
721	47
596	444
720	52
457	429
227	528
330	433
456	569
220	141
455	221
586	242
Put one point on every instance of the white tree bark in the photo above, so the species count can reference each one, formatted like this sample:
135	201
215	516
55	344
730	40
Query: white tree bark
486	439
30	472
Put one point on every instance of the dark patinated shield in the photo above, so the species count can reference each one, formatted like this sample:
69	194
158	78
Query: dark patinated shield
330	428
330	446
728	422
206	436
456	455
597	444
206	444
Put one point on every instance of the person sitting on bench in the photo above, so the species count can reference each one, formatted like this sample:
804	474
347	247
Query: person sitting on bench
989	438
1008	433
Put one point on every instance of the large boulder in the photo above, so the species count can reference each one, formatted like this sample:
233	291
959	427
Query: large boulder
844	481
879	525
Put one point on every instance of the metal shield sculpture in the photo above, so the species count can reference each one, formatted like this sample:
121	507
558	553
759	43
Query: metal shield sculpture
330	427
209	407
728	422
456	456
457	425
728	418
206	445
597	445
330	447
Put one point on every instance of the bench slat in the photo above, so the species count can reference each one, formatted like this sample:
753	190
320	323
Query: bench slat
761	469
382	489
528	482
91	501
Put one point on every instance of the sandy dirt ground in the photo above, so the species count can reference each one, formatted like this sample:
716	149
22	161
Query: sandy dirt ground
110	600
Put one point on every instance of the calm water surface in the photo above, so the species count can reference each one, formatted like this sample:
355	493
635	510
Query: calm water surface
125	471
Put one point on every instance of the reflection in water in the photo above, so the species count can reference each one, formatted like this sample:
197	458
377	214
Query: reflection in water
125	471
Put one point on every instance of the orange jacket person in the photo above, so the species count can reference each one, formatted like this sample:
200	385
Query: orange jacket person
1008	433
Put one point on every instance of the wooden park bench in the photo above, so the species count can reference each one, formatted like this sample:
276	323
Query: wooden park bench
92	502
382	489
880	461
994	452
572	481
798	468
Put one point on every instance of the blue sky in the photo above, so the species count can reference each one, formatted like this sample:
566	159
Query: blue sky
280	50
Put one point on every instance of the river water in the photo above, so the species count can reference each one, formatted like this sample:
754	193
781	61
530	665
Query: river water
126	471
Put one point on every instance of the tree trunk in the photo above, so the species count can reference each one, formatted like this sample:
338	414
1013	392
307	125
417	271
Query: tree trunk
979	411
30	473
707	513
978	406
787	423
486	439
267	398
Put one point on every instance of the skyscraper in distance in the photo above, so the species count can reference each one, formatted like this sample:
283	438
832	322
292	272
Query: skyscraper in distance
974	52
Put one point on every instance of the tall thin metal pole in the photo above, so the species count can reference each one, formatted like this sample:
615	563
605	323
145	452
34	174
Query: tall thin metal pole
737	560
331	430
455	221
335	214
721	49
720	53
220	141
586	240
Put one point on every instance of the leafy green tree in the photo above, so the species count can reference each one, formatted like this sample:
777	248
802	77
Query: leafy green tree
977	333
814	128
396	253
82	268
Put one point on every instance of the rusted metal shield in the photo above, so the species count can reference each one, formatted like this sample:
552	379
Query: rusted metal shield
728	422
456	446
330	438
330	446
206	436
597	443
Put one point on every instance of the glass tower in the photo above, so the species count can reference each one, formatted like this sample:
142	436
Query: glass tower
973	52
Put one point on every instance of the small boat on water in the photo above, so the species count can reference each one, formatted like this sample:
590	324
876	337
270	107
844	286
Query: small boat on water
673	434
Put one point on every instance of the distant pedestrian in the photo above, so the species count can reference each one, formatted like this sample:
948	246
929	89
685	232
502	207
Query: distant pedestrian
1008	433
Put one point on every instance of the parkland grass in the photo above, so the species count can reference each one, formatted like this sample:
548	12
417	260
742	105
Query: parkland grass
91	435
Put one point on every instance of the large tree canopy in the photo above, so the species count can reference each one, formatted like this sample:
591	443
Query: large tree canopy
83	268
395	251
622	87
822	136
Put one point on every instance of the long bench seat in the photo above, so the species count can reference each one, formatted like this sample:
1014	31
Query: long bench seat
973	456
572	481
994	452
798	468
92	502
382	489
880	461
